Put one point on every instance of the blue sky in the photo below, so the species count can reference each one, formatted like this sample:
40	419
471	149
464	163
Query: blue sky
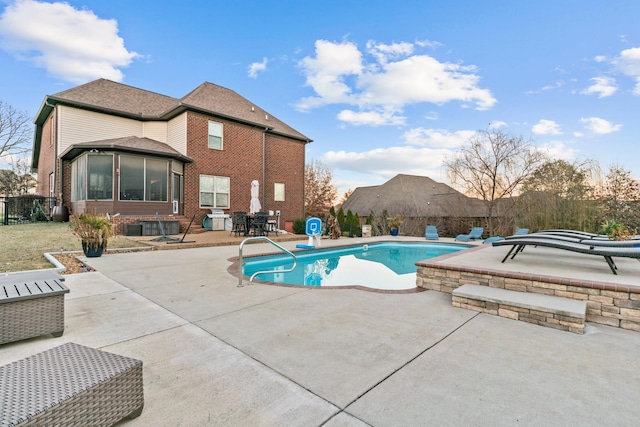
381	87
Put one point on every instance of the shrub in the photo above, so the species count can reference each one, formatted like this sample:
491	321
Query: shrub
300	226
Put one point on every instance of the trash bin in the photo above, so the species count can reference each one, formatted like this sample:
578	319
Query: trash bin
366	230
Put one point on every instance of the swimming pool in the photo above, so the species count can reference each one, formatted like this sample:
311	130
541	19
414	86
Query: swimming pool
382	265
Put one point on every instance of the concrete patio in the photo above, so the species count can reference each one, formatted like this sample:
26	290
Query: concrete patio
218	354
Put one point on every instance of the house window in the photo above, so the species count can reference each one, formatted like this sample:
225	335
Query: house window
52	185
278	192
215	135
99	177
92	177
214	191
78	179
156	183
143	179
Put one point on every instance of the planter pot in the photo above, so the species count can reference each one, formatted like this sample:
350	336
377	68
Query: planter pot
92	250
288	226
393	231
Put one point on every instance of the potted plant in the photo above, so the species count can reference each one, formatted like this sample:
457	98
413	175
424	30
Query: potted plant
394	223
94	231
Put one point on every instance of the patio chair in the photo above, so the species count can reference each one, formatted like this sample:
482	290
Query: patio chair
475	233
604	249
431	233
239	223
259	224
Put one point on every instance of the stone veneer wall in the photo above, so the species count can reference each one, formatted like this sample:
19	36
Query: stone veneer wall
607	303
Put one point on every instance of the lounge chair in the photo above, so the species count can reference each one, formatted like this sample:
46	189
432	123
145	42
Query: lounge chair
581	235
431	233
476	233
519	232
608	252
492	239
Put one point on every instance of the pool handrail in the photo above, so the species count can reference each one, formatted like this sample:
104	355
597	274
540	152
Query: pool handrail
249	239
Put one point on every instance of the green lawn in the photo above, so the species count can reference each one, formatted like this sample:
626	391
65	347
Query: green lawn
22	245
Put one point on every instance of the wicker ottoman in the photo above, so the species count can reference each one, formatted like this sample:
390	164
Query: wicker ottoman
31	304
70	385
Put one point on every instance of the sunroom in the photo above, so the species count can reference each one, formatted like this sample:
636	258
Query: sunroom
129	176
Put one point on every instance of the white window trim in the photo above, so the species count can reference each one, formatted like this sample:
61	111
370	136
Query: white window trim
278	192
210	133
214	192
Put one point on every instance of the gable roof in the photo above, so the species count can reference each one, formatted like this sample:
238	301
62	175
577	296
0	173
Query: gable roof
224	102
109	97
413	196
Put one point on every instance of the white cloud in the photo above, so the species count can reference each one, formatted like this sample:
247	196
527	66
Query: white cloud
388	162
628	62
428	43
392	78
437	138
600	58
74	45
603	86
599	126
257	67
556	85
384	52
497	124
546	127
559	150
327	71
370	118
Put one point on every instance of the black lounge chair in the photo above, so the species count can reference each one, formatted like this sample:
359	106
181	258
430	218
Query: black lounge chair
608	252
588	242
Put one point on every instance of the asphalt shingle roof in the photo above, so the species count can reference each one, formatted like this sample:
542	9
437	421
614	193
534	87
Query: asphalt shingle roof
412	196
120	99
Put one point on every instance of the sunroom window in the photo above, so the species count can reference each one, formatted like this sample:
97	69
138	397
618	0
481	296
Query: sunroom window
92	177
143	179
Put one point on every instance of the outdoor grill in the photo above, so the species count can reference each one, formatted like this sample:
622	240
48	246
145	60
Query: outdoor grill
217	220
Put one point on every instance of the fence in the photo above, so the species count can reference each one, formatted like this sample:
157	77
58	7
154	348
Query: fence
25	209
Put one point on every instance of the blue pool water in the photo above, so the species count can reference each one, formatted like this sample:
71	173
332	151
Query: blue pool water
384	265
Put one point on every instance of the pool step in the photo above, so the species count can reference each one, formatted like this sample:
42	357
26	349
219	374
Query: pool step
545	310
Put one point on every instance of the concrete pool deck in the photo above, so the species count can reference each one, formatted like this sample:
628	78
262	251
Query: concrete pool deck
218	354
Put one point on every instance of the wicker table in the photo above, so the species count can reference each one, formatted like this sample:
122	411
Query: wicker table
31	304
70	385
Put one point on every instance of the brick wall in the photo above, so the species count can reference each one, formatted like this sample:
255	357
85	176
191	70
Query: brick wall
241	159
46	161
607	304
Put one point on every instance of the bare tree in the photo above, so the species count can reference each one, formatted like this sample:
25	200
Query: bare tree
621	197
18	180
492	167
560	194
345	196
320	193
15	130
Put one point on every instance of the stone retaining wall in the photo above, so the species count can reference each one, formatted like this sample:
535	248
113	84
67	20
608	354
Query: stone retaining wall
607	303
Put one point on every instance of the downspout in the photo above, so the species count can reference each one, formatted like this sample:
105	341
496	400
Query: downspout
264	161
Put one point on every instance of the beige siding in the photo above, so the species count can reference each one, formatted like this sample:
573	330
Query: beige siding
156	131
78	126
177	133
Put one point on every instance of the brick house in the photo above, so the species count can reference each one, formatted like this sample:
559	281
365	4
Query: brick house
119	149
